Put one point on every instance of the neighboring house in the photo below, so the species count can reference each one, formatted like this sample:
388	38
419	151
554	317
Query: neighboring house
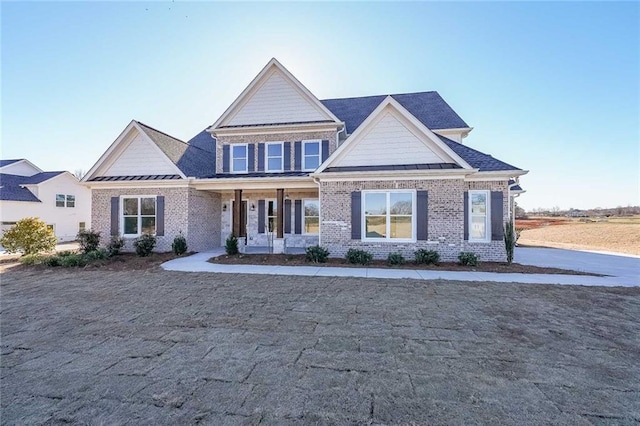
57	198
283	170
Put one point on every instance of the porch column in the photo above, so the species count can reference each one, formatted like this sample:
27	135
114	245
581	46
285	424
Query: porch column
237	211
280	217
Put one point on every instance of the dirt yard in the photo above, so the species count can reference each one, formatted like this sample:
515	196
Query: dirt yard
619	235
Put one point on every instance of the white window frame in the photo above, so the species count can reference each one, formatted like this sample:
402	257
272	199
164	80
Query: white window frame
64	200
246	158
304	153
139	216
388	192
487	219
304	217
267	156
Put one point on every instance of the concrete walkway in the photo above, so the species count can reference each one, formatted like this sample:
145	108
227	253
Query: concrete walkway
198	263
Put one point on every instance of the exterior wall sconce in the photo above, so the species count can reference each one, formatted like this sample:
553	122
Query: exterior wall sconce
253	207
224	207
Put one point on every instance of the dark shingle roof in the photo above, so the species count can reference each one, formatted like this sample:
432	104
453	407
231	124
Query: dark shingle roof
139	177
477	159
11	189
192	159
258	174
516	187
7	162
433	166
428	107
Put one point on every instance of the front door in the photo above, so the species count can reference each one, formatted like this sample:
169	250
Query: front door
243	218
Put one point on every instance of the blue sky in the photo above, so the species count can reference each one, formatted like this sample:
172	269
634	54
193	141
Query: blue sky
549	87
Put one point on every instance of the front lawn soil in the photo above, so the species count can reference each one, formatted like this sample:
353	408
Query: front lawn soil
300	260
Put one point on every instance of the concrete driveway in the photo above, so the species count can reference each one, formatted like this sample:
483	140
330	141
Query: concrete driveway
626	268
159	347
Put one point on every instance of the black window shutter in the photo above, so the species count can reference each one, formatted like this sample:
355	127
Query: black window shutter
287	216
356	215
297	155
422	213
298	216
225	158
261	157
497	211
325	151
160	215
251	155
466	215
115	215
260	216
286	157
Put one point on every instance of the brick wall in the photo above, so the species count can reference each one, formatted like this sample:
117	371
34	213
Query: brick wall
182	205
446	219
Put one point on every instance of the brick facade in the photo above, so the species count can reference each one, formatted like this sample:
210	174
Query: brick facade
194	213
445	212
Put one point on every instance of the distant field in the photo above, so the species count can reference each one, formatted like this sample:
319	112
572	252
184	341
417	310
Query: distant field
620	234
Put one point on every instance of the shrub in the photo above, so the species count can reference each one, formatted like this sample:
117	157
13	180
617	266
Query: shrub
98	254
31	259
317	254
231	245
28	236
468	258
179	245
115	245
359	257
72	260
89	240
395	259
65	253
427	257
144	244
52	260
510	239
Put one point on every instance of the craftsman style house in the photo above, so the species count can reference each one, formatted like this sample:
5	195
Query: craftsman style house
283	170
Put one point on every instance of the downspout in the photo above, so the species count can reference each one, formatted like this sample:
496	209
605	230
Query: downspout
317	182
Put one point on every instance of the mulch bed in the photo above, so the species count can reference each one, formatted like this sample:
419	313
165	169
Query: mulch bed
299	260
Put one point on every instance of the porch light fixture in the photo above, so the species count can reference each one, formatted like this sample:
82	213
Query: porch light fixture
253	207
224	207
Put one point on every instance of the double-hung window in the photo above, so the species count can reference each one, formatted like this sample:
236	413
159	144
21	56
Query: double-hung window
389	215
274	156
478	216
311	216
311	155
71	200
138	215
60	200
239	158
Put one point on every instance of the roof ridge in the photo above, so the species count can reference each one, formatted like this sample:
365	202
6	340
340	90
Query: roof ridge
375	96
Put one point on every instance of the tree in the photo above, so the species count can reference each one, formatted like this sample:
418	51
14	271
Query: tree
79	173
520	213
28	236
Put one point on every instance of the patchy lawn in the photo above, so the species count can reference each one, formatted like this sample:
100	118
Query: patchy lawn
299	260
112	347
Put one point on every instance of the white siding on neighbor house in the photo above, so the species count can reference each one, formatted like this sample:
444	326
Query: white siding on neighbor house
65	220
21	168
389	142
140	157
454	136
277	100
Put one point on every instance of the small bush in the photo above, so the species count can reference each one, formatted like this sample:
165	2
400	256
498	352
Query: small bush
28	236
468	258
317	254
115	245
395	259
31	259
427	257
179	245
89	240
144	244
98	254
66	253
72	260
359	257
54	260
231	245
510	239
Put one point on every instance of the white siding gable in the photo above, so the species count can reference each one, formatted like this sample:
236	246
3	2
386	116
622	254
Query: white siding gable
140	157
391	140
20	168
276	100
